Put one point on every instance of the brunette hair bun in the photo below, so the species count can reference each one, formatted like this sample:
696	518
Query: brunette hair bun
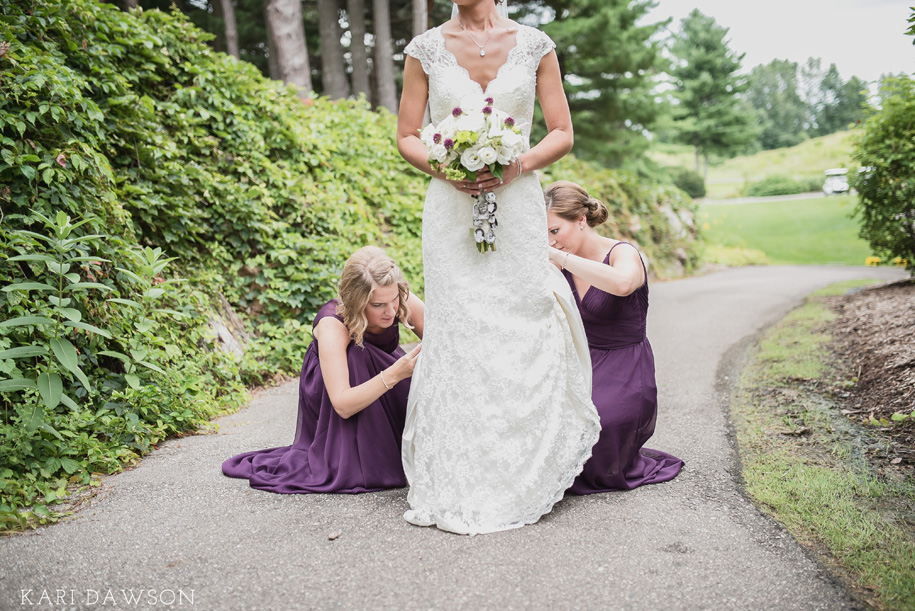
597	212
570	201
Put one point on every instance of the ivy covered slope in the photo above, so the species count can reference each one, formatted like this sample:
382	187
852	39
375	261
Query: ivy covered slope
151	188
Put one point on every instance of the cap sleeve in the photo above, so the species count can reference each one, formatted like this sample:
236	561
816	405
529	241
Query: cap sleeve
422	49
541	44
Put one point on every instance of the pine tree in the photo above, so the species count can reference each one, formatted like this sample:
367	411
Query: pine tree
710	116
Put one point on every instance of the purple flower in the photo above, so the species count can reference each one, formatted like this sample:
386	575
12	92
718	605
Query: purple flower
510	122
449	144
489	101
437	138
457	112
487	110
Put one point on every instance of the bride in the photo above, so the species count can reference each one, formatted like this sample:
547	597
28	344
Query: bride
500	419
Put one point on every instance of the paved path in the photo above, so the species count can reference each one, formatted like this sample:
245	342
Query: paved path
757	200
176	526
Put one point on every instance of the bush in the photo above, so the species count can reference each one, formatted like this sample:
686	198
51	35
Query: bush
689	181
886	186
782	185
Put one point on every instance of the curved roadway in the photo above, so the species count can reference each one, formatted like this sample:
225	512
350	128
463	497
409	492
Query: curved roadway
173	532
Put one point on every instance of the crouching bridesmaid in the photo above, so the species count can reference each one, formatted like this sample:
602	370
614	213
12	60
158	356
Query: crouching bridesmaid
352	391
610	284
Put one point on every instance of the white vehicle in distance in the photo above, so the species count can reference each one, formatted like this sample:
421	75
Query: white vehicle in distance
836	181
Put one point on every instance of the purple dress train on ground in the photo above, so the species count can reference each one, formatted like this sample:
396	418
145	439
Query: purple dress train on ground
330	453
624	391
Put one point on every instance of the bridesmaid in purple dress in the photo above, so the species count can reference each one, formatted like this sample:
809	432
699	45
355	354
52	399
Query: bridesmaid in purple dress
352	391
610	284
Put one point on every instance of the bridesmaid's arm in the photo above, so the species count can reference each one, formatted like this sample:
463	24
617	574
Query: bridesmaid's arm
560	137
417	314
622	277
333	338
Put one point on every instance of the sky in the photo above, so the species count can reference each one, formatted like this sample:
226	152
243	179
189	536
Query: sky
863	38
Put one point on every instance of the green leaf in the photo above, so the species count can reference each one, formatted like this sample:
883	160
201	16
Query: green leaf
155	293
33	418
149	365
130	275
138	355
87	327
127	302
69	465
31	258
44	426
133	380
117	355
69	403
28	286
87	285
50	387
66	353
896	417
61	303
71	314
144	326
22	321
172	312
16	384
23	352
73	277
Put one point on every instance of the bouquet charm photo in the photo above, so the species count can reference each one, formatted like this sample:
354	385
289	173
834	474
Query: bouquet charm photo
472	137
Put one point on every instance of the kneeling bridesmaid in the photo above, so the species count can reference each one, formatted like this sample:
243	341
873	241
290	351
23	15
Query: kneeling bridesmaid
352	391
610	284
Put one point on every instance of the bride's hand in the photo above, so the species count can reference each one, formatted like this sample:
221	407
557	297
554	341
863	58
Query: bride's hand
488	182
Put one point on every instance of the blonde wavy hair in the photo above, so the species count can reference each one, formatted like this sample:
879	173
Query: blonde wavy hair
368	268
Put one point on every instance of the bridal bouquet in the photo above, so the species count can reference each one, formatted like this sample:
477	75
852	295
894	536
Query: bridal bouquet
471	138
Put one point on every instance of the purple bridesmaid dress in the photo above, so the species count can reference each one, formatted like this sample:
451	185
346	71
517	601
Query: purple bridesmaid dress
624	391
330	453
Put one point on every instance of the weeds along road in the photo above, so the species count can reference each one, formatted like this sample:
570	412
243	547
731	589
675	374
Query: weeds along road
173	532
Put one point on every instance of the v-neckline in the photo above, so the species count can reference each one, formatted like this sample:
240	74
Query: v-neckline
581	296
508	56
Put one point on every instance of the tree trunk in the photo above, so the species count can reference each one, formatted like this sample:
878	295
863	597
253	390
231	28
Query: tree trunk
273	68
231	29
698	166
131	3
333	70
420	17
285	22
356	11
384	52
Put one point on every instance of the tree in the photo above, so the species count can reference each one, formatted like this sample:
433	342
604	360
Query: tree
709	115
609	59
773	91
886	184
284	18
420	17
333	69
841	103
384	56
225	10
355	11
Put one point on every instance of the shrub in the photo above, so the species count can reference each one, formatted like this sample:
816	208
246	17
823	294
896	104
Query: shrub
689	181
782	185
886	186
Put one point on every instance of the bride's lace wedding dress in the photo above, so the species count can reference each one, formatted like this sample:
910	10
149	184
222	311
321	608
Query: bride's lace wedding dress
500	419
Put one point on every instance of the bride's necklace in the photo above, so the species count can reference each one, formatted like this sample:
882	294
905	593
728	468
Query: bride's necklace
482	52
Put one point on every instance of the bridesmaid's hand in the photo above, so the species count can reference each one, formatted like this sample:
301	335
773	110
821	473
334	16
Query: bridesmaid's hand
403	367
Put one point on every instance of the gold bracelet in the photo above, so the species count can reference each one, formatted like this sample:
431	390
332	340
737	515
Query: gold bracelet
383	382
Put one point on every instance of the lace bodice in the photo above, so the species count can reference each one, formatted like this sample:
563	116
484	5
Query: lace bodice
513	89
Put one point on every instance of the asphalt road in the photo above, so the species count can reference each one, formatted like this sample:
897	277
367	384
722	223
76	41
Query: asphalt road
174	532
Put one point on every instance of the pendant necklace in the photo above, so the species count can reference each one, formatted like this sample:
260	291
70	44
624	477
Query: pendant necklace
482	52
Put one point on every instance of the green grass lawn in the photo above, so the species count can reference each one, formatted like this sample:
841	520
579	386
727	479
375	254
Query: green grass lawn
727	178
812	231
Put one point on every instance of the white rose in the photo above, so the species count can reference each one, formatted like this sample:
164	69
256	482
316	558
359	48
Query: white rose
427	134
438	152
504	156
488	155
511	141
471	160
